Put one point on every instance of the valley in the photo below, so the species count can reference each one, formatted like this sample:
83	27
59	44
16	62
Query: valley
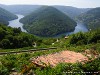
6	16
80	26
49	40
15	23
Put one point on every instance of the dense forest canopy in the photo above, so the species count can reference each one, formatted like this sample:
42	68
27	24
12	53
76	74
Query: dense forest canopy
6	16
91	18
48	21
14	38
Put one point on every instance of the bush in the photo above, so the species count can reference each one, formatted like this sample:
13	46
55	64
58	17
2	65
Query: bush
78	39
3	70
8	62
60	69
92	66
85	38
95	37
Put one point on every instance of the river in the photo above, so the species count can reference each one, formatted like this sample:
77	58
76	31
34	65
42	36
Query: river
16	23
80	27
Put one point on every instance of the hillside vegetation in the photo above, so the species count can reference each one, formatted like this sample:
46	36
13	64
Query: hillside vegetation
48	21
91	18
77	42
66	50
72	12
14	38
6	16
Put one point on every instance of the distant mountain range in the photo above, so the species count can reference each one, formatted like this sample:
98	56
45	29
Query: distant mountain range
72	12
6	16
48	21
20	9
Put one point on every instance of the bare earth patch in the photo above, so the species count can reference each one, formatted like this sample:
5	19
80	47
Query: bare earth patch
61	57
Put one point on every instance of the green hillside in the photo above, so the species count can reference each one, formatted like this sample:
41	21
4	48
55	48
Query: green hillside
14	38
3	21
48	21
72	12
20	9
91	18
81	43
6	16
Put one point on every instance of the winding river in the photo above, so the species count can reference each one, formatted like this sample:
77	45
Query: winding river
16	23
80	27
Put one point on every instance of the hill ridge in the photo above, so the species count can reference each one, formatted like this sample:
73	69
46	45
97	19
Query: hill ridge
6	16
48	20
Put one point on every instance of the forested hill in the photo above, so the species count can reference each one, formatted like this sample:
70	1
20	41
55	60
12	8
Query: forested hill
14	38
91	18
72	12
21	9
48	21
6	16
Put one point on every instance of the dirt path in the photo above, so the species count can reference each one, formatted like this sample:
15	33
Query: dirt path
61	57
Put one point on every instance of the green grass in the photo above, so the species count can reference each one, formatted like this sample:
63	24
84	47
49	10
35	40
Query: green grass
18	49
82	48
17	60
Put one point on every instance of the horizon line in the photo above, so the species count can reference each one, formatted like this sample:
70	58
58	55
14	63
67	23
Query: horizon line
47	5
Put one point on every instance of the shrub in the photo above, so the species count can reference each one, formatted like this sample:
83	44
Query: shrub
78	39
3	70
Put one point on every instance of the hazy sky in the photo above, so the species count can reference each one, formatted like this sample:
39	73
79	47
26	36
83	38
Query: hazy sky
75	3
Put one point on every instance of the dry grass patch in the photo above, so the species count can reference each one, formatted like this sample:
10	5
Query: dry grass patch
60	57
